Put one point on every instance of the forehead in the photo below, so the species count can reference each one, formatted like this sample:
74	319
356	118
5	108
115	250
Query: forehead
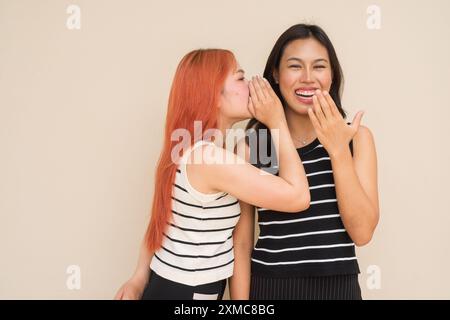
305	49
237	67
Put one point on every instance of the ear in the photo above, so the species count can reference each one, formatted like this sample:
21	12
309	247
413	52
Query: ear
275	76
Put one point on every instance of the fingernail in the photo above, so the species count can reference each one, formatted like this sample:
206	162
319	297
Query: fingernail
317	91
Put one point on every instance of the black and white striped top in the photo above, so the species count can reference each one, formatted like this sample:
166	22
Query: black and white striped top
198	245
310	243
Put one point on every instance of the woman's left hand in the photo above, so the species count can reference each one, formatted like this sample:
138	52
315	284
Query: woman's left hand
331	128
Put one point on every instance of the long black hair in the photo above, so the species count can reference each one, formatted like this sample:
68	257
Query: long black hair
300	31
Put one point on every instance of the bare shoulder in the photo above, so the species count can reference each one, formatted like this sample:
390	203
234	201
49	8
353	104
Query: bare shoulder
363	133
363	137
210	155
364	143
206	164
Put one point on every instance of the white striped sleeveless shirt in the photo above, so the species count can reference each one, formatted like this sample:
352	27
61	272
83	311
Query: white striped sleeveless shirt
198	246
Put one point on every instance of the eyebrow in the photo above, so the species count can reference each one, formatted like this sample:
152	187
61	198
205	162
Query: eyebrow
240	70
300	60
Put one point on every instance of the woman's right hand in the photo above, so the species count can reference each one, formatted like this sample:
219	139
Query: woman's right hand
131	290
264	104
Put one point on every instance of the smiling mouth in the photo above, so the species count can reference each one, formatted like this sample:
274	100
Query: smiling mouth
305	94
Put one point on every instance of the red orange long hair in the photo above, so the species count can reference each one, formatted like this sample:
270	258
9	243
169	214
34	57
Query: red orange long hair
194	96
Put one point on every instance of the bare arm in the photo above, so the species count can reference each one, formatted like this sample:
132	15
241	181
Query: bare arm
356	187
225	171
134	287
355	179
243	241
142	271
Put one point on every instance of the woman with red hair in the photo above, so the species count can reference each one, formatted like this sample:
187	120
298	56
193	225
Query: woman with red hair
188	251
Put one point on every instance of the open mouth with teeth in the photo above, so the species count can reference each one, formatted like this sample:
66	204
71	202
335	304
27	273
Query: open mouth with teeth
304	94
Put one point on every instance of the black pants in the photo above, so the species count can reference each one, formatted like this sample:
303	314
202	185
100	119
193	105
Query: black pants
159	288
337	287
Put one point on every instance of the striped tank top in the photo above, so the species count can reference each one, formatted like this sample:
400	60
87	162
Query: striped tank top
313	242
197	247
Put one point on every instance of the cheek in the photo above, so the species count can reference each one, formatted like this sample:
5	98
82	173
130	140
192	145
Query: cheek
325	80
242	92
288	78
287	81
237	96
246	92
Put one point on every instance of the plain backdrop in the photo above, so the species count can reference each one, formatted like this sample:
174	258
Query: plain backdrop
82	114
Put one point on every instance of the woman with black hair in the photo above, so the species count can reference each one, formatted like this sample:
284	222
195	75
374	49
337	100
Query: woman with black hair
311	255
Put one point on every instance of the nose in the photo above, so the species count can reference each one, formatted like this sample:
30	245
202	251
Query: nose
306	76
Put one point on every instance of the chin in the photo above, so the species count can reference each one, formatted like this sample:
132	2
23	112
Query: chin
300	108
243	117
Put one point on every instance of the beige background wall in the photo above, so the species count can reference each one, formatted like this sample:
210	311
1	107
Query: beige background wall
82	112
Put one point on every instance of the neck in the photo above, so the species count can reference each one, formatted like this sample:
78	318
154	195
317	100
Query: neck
300	126
223	125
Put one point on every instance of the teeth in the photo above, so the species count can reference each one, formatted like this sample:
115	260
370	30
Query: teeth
308	93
